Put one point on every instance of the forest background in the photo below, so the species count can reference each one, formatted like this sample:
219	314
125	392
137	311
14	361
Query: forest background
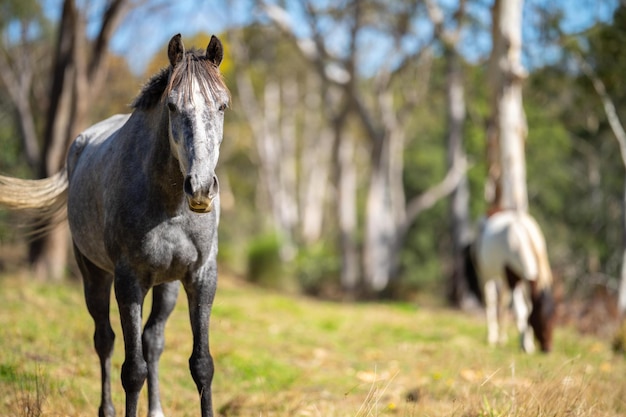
325	96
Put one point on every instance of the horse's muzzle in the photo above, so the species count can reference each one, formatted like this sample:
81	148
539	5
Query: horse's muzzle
200	200
200	205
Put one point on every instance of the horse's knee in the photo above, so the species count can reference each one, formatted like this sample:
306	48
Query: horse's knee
134	374
201	368
103	340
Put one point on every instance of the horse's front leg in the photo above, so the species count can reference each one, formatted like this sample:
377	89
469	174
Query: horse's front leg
200	294
130	295
164	299
521	308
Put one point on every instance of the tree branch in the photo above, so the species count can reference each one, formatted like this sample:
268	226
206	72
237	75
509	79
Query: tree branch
431	196
313	51
607	103
18	80
114	12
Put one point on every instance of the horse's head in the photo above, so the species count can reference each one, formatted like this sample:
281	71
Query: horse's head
196	99
542	316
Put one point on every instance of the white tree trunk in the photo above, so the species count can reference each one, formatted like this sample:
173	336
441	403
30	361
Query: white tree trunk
315	162
508	124
380	227
459	198
346	200
287	166
386	201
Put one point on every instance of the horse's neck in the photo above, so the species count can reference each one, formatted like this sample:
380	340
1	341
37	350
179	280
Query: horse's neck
160	166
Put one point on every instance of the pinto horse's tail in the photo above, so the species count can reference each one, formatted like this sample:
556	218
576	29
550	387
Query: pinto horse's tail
43	201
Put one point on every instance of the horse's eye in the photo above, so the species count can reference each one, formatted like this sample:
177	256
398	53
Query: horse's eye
172	107
223	107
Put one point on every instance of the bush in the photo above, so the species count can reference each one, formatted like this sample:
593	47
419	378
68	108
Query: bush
318	269
265	266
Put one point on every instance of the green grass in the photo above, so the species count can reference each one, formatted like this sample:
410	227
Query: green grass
280	355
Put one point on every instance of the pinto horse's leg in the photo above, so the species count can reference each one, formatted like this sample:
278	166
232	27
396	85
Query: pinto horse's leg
200	296
164	299
130	295
522	311
97	289
491	309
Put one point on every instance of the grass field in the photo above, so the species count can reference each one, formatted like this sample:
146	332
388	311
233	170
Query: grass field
280	355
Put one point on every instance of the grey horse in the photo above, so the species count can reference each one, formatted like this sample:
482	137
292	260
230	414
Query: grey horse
143	208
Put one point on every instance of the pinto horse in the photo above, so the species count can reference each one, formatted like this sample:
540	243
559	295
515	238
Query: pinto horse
143	208
509	260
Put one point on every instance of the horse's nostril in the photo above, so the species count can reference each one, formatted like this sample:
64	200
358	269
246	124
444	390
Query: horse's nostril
215	187
187	186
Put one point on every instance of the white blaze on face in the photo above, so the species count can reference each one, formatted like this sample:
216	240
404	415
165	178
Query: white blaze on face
196	130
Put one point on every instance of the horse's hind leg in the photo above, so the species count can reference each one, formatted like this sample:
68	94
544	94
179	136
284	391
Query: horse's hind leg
491	309
163	301
97	288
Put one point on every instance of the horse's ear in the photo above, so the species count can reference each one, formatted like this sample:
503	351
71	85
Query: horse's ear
215	51
175	50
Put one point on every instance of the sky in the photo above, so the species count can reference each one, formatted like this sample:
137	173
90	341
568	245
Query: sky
146	30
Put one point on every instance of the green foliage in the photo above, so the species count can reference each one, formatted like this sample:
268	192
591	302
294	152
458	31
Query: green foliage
265	266
317	268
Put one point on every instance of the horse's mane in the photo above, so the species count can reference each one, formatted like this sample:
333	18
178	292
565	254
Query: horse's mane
194	64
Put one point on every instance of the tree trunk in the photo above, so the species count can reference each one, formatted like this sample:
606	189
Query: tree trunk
77	75
386	201
380	225
17	76
287	166
507	129
621	301
315	163
48	255
459	198
346	201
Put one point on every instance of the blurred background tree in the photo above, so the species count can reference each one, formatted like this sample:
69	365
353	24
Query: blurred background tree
343	166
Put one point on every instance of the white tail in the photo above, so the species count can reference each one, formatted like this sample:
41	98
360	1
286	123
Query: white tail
44	201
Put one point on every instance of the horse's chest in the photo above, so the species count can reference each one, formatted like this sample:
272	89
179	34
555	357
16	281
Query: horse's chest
172	252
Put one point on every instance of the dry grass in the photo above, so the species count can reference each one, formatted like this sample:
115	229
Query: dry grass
289	356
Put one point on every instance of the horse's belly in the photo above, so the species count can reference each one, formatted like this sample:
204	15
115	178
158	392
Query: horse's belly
492	258
87	229
87	163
